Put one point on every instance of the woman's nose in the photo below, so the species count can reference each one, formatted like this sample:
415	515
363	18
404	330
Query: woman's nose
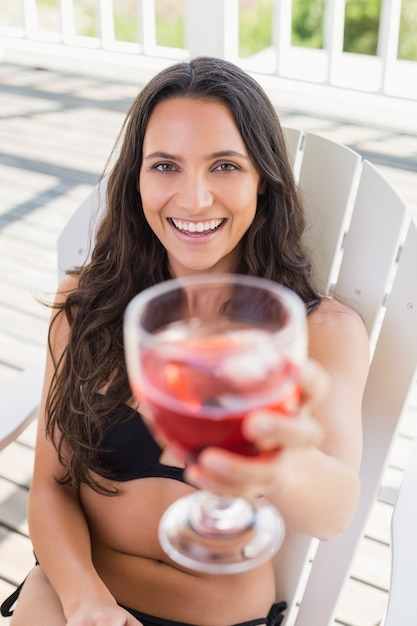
194	194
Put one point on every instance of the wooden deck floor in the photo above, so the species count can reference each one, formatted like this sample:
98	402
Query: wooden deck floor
56	131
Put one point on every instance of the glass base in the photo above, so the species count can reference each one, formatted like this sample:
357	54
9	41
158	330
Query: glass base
220	535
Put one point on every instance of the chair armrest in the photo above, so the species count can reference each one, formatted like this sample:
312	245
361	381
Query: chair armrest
19	400
402	605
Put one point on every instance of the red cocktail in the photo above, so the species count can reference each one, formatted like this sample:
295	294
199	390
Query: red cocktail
199	384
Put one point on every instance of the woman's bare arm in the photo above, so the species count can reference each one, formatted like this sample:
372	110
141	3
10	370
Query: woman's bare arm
58	528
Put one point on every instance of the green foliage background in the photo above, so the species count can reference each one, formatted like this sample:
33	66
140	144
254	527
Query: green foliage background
361	23
361	26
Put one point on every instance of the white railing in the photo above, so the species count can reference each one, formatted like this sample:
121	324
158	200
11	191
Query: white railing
212	27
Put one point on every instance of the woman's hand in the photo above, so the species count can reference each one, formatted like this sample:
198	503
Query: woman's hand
224	472
102	614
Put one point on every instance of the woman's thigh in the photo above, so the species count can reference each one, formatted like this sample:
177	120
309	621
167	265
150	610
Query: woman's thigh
38	604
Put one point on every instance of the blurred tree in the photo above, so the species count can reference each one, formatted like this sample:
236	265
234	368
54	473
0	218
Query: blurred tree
255	27
361	23
307	23
407	47
361	26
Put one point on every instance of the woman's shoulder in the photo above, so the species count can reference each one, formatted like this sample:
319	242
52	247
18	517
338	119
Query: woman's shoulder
335	321
336	326
67	285
332	309
59	322
59	326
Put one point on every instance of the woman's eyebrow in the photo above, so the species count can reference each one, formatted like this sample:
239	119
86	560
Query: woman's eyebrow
163	155
228	153
159	154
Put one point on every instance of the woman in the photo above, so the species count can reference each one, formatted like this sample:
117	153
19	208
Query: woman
200	183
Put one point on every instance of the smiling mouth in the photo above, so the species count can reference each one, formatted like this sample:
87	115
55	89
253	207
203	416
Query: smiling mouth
197	228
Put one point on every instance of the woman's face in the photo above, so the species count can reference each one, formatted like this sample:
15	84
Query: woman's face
198	185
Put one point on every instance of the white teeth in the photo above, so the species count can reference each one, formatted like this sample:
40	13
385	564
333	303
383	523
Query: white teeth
196	227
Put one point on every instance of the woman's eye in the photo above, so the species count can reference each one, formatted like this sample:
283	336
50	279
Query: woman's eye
164	167
226	167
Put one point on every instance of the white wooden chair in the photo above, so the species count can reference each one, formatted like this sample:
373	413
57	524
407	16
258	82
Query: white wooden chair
18	409
364	251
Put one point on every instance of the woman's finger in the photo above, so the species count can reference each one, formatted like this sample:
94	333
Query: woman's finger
269	430
226	473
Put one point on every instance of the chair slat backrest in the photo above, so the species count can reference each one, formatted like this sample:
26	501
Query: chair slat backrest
327	180
293	140
355	245
76	239
371	246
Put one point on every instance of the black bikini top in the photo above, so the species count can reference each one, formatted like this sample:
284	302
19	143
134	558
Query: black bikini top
128	451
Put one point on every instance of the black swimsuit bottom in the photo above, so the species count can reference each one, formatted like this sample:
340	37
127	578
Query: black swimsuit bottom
274	618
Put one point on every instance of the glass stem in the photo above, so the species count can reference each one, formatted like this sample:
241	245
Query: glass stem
223	515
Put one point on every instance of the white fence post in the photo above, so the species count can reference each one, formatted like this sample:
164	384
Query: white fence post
388	36
30	16
281	31
334	29
105	23
212	28
147	19
67	20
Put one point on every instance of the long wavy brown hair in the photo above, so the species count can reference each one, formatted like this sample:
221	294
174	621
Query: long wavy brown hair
127	256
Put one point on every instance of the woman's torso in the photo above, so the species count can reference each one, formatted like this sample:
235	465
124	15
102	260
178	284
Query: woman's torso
126	549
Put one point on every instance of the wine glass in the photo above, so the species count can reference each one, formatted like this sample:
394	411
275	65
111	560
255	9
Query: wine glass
203	351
